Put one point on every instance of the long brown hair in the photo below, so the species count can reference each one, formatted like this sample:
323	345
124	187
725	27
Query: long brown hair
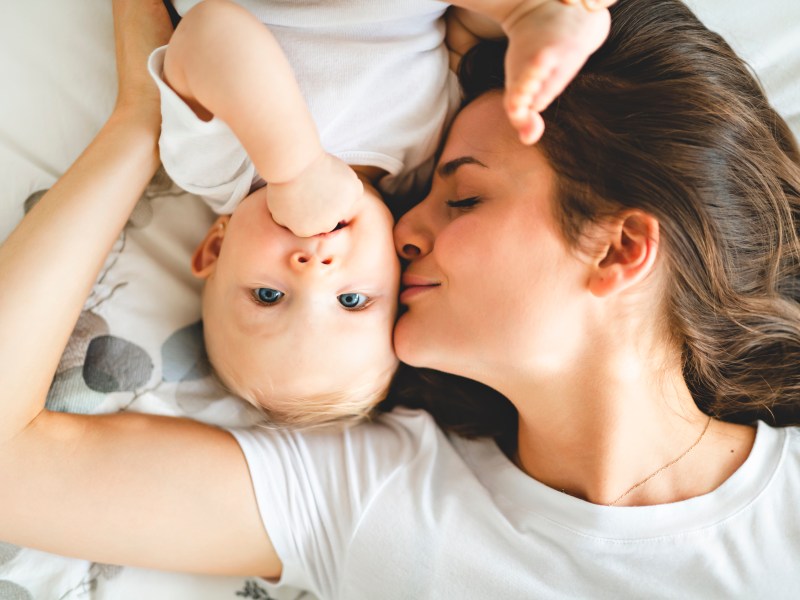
667	119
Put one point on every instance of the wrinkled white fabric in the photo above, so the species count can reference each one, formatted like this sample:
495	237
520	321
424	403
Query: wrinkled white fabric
395	509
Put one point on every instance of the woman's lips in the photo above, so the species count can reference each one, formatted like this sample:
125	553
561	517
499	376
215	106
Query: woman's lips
414	285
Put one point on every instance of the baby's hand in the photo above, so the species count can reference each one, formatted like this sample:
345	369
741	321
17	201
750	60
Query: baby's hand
547	46
316	201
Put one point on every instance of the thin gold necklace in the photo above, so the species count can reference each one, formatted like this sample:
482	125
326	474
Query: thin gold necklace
665	467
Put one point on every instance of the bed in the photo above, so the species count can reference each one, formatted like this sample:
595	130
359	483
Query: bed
138	343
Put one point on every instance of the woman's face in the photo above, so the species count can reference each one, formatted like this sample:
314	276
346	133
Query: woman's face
491	285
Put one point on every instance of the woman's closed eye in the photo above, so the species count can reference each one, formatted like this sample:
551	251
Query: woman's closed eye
464	203
267	296
354	301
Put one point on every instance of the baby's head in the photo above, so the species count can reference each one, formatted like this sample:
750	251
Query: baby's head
301	327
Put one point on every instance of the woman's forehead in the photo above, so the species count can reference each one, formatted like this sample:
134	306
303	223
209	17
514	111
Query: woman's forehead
481	127
482	133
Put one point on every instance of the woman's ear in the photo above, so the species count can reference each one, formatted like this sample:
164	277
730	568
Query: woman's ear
630	244
206	254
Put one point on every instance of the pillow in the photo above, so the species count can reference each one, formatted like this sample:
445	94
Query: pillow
767	36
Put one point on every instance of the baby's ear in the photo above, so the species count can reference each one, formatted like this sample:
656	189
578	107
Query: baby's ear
205	255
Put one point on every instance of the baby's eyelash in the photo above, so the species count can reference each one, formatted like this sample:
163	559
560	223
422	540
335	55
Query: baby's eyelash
464	202
365	306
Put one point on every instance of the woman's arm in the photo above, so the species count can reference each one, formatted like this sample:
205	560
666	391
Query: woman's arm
51	260
125	489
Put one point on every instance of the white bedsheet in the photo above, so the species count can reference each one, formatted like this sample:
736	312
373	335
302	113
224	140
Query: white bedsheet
57	86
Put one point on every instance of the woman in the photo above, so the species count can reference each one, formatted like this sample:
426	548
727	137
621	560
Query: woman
634	273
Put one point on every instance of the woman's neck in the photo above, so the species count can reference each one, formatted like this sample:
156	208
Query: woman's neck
597	433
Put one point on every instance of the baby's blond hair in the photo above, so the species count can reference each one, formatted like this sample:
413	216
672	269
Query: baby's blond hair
339	406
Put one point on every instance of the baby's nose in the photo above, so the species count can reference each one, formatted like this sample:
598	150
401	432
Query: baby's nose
306	259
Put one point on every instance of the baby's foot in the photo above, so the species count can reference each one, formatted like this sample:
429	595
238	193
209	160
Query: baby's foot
547	47
140	26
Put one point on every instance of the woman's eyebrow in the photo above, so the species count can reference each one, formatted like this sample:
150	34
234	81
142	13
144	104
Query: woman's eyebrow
451	166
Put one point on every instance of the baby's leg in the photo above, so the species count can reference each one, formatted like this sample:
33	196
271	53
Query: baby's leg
547	47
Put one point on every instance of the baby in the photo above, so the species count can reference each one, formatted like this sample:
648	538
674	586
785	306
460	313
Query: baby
331	102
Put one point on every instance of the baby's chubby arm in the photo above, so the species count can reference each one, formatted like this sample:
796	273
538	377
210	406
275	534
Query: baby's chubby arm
549	41
223	62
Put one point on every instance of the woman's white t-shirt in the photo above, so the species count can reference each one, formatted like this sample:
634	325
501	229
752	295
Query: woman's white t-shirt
397	509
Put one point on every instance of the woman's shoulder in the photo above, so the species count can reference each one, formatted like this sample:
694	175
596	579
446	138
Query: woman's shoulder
400	436
776	455
781	439
791	441
386	443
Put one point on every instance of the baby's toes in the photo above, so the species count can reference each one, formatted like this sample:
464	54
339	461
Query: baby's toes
533	129
518	102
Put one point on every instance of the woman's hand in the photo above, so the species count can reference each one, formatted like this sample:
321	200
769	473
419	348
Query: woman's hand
140	26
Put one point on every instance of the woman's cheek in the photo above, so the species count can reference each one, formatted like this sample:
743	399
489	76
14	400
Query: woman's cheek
462	245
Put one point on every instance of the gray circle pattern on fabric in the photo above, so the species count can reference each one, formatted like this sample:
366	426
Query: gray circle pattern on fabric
7	552
11	591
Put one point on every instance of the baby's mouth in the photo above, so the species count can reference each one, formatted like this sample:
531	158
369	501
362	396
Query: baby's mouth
339	226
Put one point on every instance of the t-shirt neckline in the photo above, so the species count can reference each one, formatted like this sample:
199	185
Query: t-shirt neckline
524	498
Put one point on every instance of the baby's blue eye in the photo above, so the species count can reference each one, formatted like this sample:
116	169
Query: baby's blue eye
353	300
267	295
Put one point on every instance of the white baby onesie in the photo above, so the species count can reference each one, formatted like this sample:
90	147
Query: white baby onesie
374	74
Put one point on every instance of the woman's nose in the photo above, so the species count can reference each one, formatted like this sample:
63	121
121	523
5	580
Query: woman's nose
413	236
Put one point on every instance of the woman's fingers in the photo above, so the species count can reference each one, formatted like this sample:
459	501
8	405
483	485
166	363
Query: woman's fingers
140	26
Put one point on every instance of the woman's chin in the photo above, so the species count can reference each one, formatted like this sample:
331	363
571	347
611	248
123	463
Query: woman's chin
411	346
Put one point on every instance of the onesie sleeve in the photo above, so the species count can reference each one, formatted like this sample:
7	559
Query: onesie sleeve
314	488
202	157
